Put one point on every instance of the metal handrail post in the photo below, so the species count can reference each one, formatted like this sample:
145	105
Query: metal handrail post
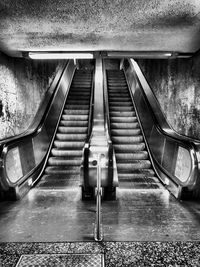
98	230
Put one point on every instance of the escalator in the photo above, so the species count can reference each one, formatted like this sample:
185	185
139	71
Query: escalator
133	162
63	166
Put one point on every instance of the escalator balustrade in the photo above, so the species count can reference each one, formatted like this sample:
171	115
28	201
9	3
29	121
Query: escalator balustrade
63	167
133	163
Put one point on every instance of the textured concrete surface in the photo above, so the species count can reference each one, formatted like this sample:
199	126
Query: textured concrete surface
23	84
176	85
59	215
110	25
116	254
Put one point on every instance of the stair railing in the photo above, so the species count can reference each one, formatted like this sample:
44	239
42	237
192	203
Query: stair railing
175	157
98	226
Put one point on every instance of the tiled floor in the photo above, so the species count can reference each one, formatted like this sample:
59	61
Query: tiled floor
113	254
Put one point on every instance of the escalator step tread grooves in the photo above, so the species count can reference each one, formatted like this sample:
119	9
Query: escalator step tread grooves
63	165
133	164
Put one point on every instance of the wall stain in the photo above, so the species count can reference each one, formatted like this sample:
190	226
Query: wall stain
23	84
176	84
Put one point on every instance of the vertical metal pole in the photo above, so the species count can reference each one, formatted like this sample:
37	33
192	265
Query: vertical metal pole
98	232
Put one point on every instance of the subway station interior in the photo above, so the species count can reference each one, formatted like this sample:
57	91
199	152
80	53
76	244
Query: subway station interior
99	133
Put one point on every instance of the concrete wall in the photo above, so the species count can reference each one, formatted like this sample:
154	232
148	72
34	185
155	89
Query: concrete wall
176	84
23	84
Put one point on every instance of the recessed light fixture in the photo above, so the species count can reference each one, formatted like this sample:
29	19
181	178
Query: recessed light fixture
60	55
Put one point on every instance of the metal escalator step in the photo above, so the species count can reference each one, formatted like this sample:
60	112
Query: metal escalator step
66	152
81	84
70	137
127	132
126	157
79	90
138	186
119	99
130	176
75	117
123	119
71	145
62	170
74	123
137	179
75	112
131	125
61	161
136	164
129	148
146	172
77	97
116	84
118	93
61	181
122	114
77	102
79	107
127	139
121	104
69	130
122	108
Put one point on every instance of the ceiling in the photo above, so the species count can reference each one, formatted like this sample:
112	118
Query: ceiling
125	25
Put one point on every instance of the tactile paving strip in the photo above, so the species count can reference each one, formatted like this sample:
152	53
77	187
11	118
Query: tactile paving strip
61	260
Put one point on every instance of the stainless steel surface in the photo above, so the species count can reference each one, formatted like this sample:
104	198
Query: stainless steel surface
173	155
113	176
98	232
22	157
98	142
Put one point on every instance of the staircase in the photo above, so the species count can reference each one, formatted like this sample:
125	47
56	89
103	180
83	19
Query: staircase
63	167
133	164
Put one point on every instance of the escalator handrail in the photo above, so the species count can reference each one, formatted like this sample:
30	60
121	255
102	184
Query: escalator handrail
38	121
85	158
108	130
90	117
16	142
190	144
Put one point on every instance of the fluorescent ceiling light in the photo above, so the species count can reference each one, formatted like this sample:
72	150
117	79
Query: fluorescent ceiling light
139	54
57	55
